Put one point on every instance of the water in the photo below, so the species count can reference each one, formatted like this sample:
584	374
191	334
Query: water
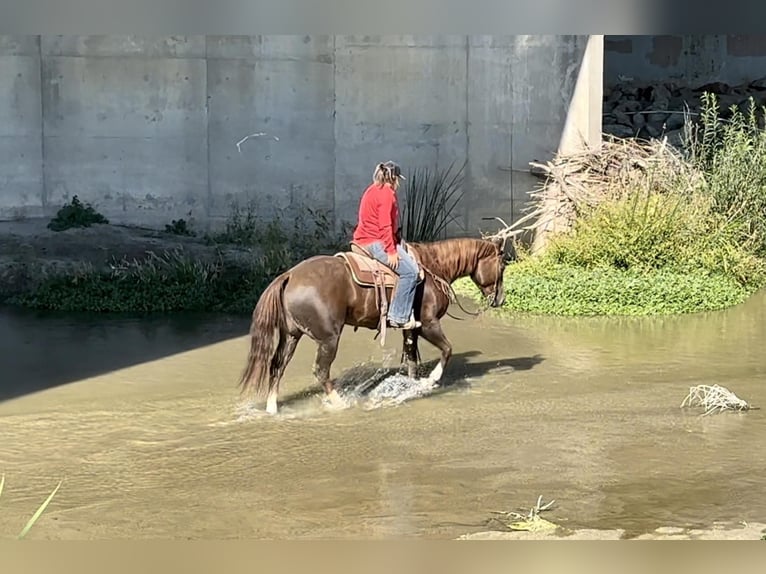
141	420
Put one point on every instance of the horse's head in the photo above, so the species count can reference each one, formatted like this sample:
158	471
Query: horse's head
488	275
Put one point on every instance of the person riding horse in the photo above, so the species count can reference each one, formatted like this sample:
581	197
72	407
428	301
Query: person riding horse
378	232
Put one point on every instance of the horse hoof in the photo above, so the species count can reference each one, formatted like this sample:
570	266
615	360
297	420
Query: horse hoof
429	383
333	401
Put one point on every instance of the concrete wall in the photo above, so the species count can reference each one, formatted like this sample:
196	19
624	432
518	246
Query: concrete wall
690	60
146	128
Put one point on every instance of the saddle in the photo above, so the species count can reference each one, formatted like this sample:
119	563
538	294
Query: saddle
368	272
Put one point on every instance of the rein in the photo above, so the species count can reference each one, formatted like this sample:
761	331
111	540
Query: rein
447	290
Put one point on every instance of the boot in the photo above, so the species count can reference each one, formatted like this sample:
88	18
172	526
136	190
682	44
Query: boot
410	324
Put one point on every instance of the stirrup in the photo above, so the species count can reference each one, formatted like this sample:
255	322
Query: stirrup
410	324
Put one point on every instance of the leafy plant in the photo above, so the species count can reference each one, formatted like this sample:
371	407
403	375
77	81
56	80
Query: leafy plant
731	153
430	199
676	232
308	233
175	281
36	516
542	287
76	214
682	234
179	227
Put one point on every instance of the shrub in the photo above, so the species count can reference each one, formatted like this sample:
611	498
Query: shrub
645	232
169	282
307	234
731	154
175	281
179	227
76	214
429	200
652	231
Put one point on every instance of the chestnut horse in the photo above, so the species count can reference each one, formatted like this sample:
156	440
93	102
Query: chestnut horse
319	296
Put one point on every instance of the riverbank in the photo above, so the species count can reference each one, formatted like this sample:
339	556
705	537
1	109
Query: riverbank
742	531
41	268
116	269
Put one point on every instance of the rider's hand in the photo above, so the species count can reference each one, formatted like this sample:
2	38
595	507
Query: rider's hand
393	260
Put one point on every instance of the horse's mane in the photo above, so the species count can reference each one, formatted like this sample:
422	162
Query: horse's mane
452	258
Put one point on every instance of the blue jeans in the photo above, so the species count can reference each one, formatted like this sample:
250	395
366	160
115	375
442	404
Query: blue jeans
404	295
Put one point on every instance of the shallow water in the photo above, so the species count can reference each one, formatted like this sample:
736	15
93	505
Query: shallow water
140	418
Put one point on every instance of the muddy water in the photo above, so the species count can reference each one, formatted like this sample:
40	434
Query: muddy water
140	419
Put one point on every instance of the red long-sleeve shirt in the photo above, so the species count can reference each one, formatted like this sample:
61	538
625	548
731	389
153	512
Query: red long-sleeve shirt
378	217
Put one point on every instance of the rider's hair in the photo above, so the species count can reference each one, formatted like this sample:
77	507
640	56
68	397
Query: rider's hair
384	173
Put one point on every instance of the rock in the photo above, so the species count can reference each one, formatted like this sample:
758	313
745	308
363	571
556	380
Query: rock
608	119
759	84
618	130
629	90
660	94
653	131
677	104
614	95
623	118
609	107
715	87
675	138
657	118
628	106
639	121
725	101
674	121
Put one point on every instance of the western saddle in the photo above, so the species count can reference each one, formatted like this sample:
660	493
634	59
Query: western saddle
368	272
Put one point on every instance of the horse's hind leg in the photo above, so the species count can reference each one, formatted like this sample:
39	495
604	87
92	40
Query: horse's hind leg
327	350
282	356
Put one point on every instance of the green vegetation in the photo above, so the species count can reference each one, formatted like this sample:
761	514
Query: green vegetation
179	227
686	234
651	230
248	255
36	516
429	200
544	287
76	214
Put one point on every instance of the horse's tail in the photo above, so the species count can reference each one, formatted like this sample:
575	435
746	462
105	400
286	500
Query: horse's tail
268	317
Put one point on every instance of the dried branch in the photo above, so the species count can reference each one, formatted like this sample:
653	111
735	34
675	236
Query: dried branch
579	181
714	398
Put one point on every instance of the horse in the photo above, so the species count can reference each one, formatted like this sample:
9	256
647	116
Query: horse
322	294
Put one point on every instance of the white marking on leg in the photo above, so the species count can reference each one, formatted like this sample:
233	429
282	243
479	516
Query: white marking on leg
436	374
271	402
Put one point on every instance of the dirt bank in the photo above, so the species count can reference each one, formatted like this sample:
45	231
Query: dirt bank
743	531
29	251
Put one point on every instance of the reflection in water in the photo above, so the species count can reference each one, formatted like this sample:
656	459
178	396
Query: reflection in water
140	418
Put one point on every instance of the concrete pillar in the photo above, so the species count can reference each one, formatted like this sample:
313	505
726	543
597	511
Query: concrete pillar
582	126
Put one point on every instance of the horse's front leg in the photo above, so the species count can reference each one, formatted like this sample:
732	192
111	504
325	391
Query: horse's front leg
432	332
410	352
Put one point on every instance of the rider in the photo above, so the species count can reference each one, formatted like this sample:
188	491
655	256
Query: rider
377	231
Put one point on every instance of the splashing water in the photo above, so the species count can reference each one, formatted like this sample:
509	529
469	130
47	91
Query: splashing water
361	386
381	388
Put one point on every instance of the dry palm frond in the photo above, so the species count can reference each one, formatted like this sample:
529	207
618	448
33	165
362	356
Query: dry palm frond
532	521
577	181
714	398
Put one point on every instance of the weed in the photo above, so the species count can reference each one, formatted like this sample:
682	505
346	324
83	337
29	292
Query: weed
76	214
179	227
429	201
36	516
